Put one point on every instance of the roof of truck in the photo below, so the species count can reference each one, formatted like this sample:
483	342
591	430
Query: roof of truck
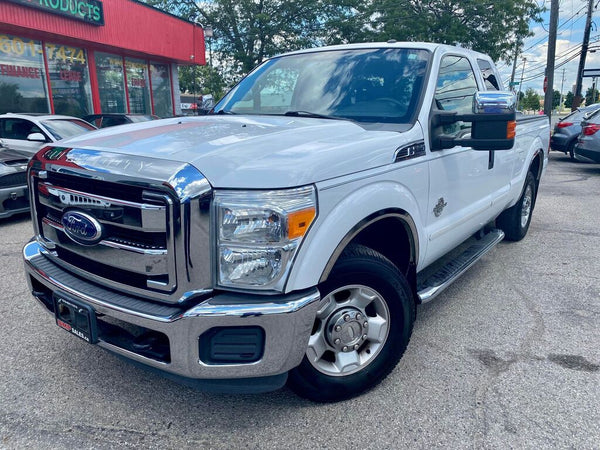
390	44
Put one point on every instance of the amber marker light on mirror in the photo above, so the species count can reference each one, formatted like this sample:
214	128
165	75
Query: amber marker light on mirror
511	129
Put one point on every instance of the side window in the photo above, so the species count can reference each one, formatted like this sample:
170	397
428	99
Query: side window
454	91
2	135
492	83
19	129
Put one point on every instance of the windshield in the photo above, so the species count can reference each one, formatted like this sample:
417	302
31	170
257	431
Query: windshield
370	85
64	128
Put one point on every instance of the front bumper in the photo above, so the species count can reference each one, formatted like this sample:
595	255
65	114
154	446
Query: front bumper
587	155
13	200
287	321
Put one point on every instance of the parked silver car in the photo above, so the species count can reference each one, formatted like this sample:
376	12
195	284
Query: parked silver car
13	182
568	128
28	133
587	148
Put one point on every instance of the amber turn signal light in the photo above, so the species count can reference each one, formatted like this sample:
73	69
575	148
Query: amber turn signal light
299	221
511	128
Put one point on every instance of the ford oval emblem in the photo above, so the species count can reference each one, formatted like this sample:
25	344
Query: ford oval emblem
81	227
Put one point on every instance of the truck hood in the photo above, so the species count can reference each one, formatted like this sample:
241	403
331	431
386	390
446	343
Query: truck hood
255	151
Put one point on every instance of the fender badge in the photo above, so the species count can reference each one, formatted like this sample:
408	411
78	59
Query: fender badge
441	204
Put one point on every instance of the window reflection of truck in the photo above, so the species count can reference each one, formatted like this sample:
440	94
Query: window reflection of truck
291	239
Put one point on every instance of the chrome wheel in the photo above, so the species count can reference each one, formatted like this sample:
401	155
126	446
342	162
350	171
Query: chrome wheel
526	205
351	328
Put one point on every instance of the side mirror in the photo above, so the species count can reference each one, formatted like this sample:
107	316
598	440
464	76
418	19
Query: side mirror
492	123
36	137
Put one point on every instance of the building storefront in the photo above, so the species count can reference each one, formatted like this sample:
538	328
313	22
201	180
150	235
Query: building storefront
80	57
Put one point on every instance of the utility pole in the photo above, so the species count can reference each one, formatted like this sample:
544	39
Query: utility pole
584	49
561	90
512	77
549	97
521	83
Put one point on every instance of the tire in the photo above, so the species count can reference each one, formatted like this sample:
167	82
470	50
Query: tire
340	363
515	220
571	150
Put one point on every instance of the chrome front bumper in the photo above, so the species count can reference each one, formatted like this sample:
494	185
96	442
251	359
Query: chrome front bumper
287	321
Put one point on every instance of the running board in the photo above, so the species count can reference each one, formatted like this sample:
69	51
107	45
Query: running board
435	283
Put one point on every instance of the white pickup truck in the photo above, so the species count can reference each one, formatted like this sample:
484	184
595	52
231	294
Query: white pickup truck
291	234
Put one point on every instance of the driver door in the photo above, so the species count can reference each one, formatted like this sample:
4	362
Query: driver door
460	178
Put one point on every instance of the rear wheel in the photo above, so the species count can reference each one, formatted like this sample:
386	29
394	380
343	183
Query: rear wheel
571	149
361	330
516	219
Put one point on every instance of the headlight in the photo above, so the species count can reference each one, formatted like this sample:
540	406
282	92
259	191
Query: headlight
258	234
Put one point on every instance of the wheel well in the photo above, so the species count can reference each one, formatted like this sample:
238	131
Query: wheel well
391	233
536	166
390	238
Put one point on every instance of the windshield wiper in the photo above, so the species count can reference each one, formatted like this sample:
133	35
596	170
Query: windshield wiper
312	114
222	111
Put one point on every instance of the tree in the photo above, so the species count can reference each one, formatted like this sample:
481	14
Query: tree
202	80
488	27
531	100
555	99
251	30
568	100
591	96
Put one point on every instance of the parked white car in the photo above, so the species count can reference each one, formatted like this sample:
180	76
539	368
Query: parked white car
30	132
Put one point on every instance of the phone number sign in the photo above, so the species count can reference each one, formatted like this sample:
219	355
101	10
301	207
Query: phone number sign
89	11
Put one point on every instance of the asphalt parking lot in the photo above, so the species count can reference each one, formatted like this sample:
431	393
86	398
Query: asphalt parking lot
507	357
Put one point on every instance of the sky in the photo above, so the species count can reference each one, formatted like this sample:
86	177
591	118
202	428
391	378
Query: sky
571	24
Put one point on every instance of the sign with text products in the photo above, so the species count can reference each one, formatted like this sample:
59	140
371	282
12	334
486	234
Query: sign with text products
89	11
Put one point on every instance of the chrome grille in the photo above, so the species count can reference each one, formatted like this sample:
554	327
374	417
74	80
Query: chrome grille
135	252
154	216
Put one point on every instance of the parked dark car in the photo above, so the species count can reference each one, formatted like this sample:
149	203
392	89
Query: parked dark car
587	148
112	119
568	128
14	198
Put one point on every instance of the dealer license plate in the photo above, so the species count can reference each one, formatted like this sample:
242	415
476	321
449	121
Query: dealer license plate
77	318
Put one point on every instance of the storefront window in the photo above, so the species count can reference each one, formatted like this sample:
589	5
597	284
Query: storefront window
23	85
111	87
69	79
138	86
161	90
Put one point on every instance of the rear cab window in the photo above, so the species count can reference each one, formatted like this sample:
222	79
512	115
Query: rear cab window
490	77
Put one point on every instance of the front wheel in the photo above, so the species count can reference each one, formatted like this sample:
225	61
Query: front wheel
516	219
361	330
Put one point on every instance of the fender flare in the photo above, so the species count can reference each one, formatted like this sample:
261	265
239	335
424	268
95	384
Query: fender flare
342	221
399	214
